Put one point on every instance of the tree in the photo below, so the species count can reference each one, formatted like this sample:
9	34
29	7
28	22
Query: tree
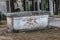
56	6
43	4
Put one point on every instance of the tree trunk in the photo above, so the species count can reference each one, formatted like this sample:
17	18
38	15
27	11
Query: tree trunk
12	5
56	6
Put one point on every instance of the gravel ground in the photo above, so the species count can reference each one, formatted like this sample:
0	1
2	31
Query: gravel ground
50	34
5	38
4	35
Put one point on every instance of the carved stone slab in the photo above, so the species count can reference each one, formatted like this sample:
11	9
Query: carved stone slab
30	22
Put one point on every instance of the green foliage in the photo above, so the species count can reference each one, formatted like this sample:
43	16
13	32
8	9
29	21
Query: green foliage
43	5
31	8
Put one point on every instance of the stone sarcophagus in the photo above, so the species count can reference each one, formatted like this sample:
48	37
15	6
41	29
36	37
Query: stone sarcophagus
30	22
26	22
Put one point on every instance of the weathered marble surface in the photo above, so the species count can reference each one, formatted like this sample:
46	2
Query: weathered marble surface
30	22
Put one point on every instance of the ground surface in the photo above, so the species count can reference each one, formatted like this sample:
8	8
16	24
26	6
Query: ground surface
51	34
4	35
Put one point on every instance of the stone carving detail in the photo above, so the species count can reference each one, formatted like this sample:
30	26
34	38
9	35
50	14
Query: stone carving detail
31	22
